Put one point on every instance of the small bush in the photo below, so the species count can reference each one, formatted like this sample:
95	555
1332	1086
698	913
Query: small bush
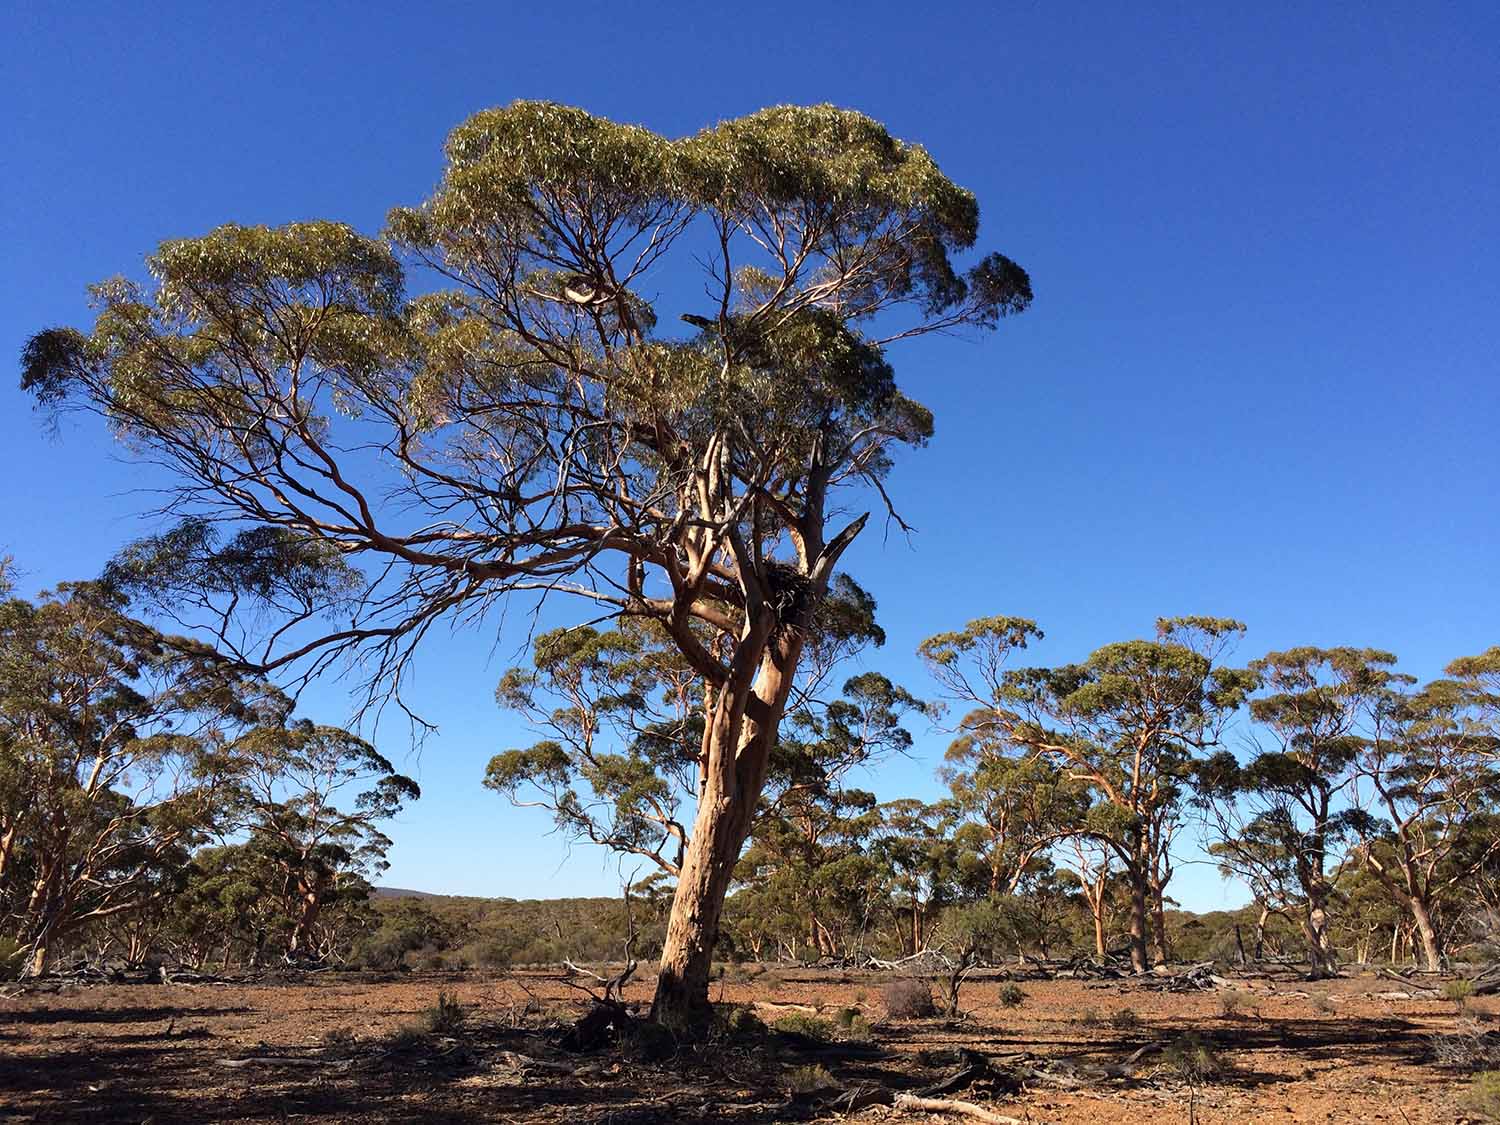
734	1021
858	1029
1458	991
1232	1004
1194	1059
1483	1096
12	958
1469	1049
845	1017
1011	996
446	1016
650	1042
1125	1020
809	1080
407	1037
908	999
796	1023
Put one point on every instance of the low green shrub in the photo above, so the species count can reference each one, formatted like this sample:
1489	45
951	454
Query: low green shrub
797	1023
809	1080
1483	1095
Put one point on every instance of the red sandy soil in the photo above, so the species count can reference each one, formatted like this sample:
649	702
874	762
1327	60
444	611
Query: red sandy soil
153	1053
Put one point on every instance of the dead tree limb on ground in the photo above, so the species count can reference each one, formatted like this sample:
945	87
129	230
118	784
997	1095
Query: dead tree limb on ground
910	1103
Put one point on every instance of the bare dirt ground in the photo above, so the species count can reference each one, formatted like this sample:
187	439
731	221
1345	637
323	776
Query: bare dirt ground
329	1050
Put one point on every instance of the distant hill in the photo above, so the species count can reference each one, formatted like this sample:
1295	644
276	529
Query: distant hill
404	892
399	892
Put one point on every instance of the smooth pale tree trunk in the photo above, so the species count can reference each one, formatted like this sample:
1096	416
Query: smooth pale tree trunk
1159	925
736	750
1094	892
312	898
46	909
1315	930
1432	950
37	964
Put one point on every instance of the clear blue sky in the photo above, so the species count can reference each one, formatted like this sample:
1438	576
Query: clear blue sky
1259	378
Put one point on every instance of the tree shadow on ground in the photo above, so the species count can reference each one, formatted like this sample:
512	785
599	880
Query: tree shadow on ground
117	1015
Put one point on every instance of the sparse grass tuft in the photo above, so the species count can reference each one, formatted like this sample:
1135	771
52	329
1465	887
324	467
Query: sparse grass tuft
1458	992
1011	996
809	1080
908	999
407	1037
338	1037
1195	1059
446	1016
1125	1019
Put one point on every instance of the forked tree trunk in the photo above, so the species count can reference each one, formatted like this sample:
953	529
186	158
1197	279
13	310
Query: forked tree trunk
311	896
736	749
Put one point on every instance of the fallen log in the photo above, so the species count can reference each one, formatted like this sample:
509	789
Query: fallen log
276	1060
911	1103
974	1067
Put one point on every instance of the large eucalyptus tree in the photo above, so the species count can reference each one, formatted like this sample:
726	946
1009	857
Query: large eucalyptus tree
543	418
